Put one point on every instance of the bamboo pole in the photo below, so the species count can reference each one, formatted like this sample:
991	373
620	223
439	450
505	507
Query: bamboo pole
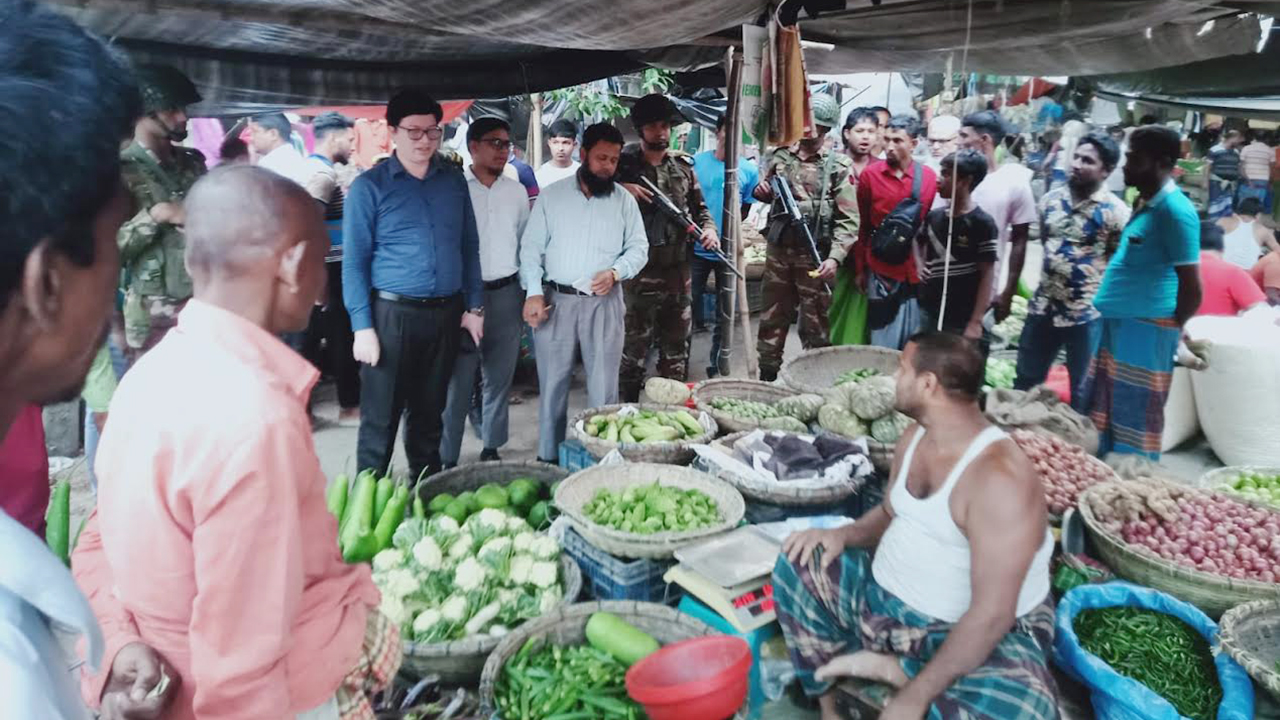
535	131
726	286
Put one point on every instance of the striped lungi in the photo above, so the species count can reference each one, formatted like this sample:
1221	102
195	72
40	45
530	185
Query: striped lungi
1129	382
844	610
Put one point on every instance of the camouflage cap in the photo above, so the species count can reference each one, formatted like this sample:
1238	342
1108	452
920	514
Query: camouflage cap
165	88
826	110
652	108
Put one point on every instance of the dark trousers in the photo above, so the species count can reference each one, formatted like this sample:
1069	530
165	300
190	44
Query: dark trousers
1039	346
703	270
418	348
338	341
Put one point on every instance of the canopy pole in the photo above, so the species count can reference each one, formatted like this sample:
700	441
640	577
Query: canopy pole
733	292
535	130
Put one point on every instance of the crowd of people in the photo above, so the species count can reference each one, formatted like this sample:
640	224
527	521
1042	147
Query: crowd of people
203	583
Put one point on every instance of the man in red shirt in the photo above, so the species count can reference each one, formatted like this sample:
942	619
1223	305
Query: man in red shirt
1228	288
893	314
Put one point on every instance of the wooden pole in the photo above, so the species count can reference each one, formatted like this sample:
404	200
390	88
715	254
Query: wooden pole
726	287
535	131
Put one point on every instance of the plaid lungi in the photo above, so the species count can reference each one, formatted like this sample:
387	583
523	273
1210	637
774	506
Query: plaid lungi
1129	382
843	610
375	668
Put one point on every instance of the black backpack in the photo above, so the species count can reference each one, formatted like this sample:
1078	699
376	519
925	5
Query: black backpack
891	241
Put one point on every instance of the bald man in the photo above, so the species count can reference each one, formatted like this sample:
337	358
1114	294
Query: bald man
208	472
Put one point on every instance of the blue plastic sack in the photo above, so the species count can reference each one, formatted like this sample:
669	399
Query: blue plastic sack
1116	697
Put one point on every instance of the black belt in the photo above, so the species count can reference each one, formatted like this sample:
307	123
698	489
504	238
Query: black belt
568	290
431	302
501	282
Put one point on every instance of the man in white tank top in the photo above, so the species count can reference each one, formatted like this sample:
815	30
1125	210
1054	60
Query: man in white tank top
953	616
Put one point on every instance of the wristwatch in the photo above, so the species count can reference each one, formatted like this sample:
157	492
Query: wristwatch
616	276
477	311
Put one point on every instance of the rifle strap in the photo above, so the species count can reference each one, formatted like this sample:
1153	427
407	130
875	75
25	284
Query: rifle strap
816	230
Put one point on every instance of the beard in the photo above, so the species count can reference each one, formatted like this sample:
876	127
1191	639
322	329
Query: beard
1077	183
598	186
654	146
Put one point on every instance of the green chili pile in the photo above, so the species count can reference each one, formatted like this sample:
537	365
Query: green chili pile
564	683
1159	651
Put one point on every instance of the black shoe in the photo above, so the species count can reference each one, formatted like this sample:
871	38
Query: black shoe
489	454
549	462
768	375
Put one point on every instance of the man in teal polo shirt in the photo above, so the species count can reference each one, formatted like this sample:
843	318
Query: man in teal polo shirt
1150	289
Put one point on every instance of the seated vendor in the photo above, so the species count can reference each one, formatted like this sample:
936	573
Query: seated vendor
954	609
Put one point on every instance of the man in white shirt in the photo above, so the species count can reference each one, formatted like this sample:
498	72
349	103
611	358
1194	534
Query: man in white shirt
269	134
562	139
583	239
502	210
1006	196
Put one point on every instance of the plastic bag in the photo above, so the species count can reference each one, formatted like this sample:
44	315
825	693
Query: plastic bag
1235	396
1116	697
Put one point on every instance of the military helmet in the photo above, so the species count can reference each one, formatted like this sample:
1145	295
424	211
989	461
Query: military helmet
165	88
652	108
826	110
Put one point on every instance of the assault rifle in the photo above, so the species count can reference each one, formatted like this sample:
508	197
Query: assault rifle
667	207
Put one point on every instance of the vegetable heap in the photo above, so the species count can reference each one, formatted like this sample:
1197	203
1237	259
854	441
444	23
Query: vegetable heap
647	509
1256	486
368	515
1205	531
790	414
753	254
1000	373
646	426
856	375
1065	469
1159	651
522	496
1011	329
666	391
857	408
443	581
579	682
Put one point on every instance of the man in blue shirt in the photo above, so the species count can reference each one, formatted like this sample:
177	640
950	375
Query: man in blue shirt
709	167
1150	289
410	267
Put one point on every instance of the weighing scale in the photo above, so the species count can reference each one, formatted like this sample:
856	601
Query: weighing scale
732	575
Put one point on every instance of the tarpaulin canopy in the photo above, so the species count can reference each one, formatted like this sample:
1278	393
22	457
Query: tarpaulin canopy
452	109
252	55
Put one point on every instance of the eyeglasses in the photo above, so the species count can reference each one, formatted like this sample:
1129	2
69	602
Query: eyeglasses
433	133
497	144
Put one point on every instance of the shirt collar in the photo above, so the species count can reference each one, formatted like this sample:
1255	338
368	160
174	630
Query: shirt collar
39	579
907	172
1156	201
251	344
398	170
322	159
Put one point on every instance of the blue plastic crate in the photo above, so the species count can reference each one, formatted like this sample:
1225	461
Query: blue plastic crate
606	577
575	457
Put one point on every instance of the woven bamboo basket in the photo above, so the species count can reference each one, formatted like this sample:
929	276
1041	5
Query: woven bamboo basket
780	493
568	626
578	489
1214	594
460	661
469	477
815	371
707	390
676	452
1212	479
1250	633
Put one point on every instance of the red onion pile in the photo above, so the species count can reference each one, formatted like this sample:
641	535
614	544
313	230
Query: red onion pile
1203	531
1065	469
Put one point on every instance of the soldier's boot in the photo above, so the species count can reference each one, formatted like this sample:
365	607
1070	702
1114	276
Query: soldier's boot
768	374
629	392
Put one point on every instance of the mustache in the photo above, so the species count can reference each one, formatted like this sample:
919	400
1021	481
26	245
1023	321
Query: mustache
600	186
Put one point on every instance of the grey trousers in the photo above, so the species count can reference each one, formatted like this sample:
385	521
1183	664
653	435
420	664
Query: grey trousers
496	359
593	325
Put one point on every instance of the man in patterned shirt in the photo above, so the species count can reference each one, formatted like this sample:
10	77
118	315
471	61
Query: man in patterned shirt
1080	225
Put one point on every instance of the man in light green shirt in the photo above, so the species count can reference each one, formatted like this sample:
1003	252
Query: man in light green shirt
99	386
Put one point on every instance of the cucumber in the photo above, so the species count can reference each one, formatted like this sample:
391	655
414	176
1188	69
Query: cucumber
625	642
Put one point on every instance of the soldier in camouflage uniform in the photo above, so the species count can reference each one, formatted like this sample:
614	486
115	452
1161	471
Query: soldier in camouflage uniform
158	173
820	181
660	299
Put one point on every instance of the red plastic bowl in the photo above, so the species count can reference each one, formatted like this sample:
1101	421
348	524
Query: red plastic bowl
703	678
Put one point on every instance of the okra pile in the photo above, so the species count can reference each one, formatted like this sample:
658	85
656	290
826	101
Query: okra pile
564	683
647	509
1159	651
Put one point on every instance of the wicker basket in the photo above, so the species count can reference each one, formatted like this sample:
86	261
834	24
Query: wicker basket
460	661
815	371
707	390
676	452
1214	478
1250	633
780	493
578	489
568	626
469	477
1214	594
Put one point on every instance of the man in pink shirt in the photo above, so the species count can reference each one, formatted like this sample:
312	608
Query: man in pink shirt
212	542
1228	289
